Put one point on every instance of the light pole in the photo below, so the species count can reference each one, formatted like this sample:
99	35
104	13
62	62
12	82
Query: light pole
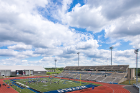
136	52
111	54
78	57
55	64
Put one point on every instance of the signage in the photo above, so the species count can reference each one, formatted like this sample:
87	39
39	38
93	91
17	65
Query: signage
71	89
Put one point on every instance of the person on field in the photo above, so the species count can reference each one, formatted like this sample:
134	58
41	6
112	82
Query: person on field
58	82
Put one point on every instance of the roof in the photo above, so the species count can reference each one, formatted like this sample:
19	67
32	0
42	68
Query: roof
103	67
14	68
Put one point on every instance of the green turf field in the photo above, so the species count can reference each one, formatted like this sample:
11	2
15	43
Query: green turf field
45	84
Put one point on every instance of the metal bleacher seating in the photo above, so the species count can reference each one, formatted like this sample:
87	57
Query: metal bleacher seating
84	77
99	79
98	74
92	77
108	79
107	74
107	68
116	68
100	68
72	76
116	80
87	67
118	75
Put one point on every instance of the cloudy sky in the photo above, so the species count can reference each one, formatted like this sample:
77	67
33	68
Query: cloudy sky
36	32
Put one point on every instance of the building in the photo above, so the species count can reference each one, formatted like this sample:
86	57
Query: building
21	70
131	73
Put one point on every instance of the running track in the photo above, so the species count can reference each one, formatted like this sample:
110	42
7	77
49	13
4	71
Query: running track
105	88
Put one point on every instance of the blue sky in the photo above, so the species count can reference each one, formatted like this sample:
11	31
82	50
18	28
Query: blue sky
46	30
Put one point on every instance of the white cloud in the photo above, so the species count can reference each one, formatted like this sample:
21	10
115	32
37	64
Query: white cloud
30	27
117	44
8	52
88	44
124	27
97	57
135	41
23	28
7	43
20	47
85	17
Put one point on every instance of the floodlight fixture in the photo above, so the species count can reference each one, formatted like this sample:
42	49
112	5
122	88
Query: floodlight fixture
78	57
136	51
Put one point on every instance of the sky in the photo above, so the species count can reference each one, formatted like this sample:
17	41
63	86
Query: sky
36	32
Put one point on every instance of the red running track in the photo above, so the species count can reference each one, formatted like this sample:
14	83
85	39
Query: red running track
105	88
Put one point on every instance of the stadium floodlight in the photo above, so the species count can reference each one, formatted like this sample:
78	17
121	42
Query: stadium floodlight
111	53
55	64
78	57
136	52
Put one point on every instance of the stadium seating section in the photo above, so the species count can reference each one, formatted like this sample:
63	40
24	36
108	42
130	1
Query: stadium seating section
106	74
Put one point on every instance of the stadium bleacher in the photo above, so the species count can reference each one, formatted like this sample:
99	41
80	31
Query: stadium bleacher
116	80
108	79
99	79
92	78
107	74
84	77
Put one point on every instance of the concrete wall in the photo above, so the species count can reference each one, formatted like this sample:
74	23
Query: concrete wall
122	80
131	74
5	72
13	73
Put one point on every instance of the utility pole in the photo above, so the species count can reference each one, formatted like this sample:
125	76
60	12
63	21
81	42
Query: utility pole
78	57
55	64
111	54
136	52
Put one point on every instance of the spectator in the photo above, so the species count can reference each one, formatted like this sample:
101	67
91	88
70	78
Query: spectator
4	84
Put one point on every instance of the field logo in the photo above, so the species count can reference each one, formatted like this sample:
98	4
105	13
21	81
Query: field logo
73	88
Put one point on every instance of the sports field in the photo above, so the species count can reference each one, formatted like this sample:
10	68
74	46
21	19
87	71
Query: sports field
104	88
32	85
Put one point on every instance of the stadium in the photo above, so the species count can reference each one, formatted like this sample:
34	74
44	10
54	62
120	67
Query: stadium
75	79
69	46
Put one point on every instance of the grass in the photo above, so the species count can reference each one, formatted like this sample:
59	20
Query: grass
131	82
1	77
56	72
47	86
50	73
